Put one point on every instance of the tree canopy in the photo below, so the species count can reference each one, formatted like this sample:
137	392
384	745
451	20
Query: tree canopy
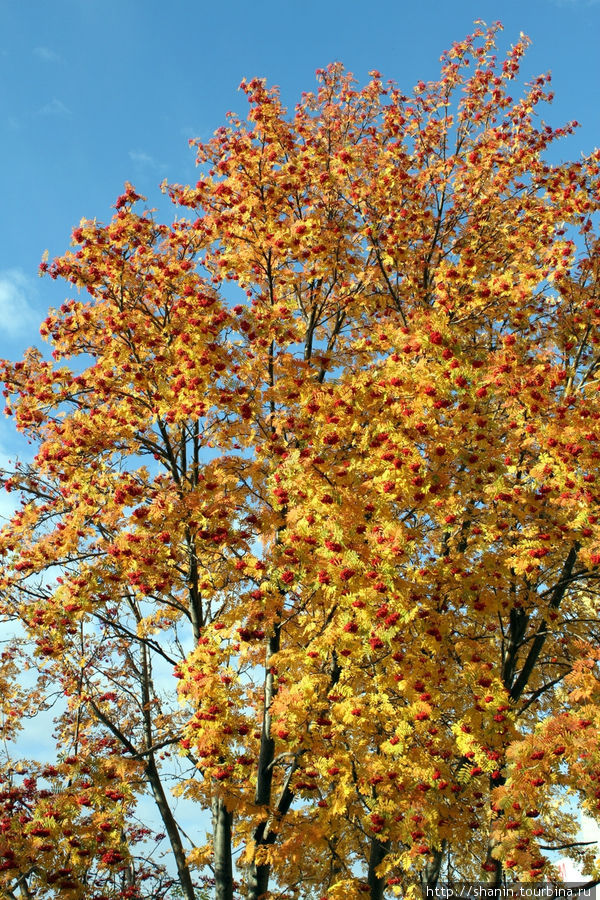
313	520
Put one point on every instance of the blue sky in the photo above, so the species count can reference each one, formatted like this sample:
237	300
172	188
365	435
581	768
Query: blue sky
97	93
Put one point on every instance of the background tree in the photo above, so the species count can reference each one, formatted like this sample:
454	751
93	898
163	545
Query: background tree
354	514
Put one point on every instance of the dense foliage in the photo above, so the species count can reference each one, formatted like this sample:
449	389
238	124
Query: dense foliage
313	521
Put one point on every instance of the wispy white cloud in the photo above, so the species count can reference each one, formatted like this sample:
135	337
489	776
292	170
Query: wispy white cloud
588	831
55	108
9	502
17	314
46	54
145	160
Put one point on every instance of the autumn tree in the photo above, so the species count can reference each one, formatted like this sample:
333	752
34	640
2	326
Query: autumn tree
313	518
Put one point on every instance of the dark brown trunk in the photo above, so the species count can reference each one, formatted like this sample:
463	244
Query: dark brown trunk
258	874
379	850
432	870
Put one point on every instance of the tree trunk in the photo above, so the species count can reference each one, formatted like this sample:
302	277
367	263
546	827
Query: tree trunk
222	825
160	797
183	872
431	872
376	882
258	874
